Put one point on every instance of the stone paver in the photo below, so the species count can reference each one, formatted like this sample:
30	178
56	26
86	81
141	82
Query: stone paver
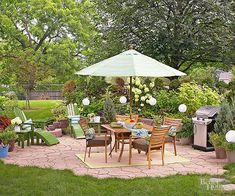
62	156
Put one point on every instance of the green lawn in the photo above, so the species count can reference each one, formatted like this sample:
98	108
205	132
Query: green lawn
40	109
35	181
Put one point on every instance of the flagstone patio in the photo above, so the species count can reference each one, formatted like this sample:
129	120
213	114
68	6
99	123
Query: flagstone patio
63	156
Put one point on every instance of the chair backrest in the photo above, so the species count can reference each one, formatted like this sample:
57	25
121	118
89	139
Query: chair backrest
173	122
70	110
84	124
147	121
157	137
127	117
19	113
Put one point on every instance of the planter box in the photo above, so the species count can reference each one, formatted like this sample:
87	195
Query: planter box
220	153
231	156
4	151
185	141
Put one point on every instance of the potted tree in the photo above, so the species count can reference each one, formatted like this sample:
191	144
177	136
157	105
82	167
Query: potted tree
186	133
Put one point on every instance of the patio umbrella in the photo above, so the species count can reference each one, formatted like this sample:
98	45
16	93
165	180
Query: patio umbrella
130	64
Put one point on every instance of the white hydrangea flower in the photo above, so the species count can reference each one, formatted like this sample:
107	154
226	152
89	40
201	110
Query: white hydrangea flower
151	84
139	109
142	105
146	89
136	96
143	98
147	101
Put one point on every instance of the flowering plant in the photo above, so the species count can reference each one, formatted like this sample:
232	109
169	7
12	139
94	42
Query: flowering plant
16	121
130	120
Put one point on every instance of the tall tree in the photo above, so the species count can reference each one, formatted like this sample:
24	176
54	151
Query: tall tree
177	32
43	37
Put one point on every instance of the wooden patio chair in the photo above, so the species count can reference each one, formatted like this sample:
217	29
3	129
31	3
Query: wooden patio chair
171	122
146	121
156	143
101	139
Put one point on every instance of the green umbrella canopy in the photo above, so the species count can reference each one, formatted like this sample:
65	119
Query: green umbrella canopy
130	63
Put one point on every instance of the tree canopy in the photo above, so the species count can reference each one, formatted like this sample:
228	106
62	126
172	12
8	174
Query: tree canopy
177	32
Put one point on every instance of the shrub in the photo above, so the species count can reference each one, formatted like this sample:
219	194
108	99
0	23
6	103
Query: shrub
187	128
109	109
217	139
195	96
7	136
59	112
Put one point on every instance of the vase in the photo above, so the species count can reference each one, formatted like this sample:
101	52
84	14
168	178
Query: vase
96	119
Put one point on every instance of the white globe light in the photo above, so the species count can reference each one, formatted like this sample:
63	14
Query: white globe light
152	101
230	136
86	101
123	99
182	108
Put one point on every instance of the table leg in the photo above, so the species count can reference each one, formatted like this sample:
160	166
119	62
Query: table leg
114	146
122	148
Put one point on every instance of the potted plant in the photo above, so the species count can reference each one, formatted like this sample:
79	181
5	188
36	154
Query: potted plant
91	117
224	123
5	138
218	140
60	115
186	133
12	136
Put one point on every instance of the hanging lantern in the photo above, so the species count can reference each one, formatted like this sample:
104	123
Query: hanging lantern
123	99
152	101
230	136
182	108
86	101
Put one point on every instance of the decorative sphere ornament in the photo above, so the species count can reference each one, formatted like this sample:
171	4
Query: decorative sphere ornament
152	101
230	136
86	101
182	108
123	99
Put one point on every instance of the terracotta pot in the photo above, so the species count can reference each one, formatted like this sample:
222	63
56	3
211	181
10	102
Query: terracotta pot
231	156
220	153
11	145
185	141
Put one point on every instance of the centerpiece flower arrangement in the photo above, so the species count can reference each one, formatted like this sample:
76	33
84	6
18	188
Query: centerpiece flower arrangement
130	123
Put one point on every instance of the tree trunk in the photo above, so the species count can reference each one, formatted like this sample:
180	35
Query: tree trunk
27	103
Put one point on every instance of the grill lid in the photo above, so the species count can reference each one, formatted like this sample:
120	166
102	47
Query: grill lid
207	111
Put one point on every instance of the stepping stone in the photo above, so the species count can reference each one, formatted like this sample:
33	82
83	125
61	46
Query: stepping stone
229	187
217	180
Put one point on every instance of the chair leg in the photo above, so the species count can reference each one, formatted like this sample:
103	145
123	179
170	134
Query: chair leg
110	146
149	159
174	143
130	154
116	144
162	152
106	156
89	154
85	154
139	151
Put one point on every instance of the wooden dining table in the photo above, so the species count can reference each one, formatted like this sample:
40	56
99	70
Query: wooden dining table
121	135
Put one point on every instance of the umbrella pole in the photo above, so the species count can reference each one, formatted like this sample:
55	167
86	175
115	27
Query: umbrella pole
130	97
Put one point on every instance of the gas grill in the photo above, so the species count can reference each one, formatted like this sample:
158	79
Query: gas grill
203	125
